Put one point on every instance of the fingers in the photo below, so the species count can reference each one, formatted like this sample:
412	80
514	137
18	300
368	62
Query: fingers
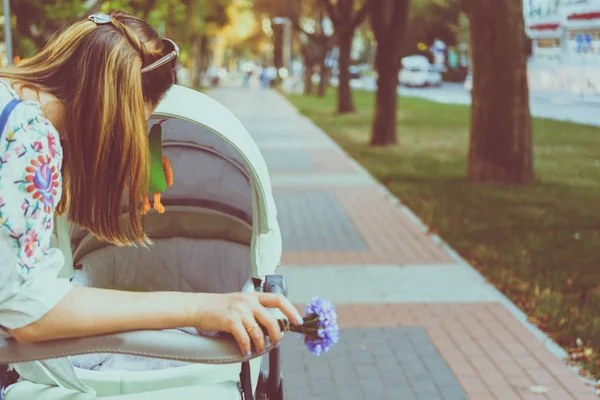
276	300
248	314
238	330
255	332
268	320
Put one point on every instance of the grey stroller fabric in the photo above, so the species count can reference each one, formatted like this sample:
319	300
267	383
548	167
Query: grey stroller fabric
175	264
207	170
210	175
125	362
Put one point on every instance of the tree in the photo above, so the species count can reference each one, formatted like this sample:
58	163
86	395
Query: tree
346	18
500	141
281	8
367	53
316	43
37	20
388	21
311	54
188	22
201	18
429	20
273	9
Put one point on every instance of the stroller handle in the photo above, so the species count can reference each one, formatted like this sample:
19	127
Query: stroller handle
169	345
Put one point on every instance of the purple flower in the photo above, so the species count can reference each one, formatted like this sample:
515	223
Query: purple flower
320	328
321	313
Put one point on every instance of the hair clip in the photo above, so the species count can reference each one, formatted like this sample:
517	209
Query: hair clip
101	18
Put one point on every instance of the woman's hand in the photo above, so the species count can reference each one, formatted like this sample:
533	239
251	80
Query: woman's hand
244	315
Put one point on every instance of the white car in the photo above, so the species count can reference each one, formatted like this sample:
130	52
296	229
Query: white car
418	72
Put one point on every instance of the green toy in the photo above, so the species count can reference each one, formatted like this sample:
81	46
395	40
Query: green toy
161	173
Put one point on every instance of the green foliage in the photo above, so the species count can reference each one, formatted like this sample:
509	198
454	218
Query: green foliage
432	19
270	8
47	11
183	20
35	20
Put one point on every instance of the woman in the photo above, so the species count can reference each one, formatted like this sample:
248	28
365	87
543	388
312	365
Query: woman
73	139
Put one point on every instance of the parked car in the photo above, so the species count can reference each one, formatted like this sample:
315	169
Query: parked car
417	71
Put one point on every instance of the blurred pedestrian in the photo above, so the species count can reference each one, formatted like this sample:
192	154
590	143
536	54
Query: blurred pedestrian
264	79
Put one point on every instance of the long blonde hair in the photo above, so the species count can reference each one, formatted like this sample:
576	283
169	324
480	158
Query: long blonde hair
95	72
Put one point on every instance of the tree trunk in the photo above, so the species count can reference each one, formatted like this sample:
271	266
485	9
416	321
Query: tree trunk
308	71
388	21
386	101
195	70
323	75
277	52
500	145
204	57
345	103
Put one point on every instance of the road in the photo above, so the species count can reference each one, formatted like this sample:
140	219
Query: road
563	106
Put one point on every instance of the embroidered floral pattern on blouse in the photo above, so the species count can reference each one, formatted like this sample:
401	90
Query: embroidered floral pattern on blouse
44	180
30	185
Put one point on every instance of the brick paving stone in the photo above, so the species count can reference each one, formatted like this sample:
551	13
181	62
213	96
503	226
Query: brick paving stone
358	364
389	233
331	161
263	134
387	229
314	221
289	161
480	376
296	160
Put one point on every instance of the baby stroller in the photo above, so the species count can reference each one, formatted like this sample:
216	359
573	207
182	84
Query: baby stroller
219	233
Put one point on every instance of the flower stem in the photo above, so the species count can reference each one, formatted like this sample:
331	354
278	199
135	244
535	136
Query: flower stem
310	325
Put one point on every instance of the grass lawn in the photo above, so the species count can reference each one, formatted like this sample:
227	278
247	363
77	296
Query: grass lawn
539	243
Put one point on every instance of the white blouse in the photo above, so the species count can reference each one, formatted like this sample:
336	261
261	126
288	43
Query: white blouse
30	189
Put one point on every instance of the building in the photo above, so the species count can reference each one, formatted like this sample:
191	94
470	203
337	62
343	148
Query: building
565	37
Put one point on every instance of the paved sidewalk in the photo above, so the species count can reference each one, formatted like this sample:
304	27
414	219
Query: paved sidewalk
417	321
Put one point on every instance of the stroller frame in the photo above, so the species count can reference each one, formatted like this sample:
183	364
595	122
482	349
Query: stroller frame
270	381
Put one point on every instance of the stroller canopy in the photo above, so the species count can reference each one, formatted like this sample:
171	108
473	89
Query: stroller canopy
216	166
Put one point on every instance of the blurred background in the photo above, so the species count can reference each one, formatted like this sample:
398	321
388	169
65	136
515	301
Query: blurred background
311	46
482	116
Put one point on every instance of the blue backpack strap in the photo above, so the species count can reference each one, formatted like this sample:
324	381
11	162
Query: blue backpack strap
6	113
